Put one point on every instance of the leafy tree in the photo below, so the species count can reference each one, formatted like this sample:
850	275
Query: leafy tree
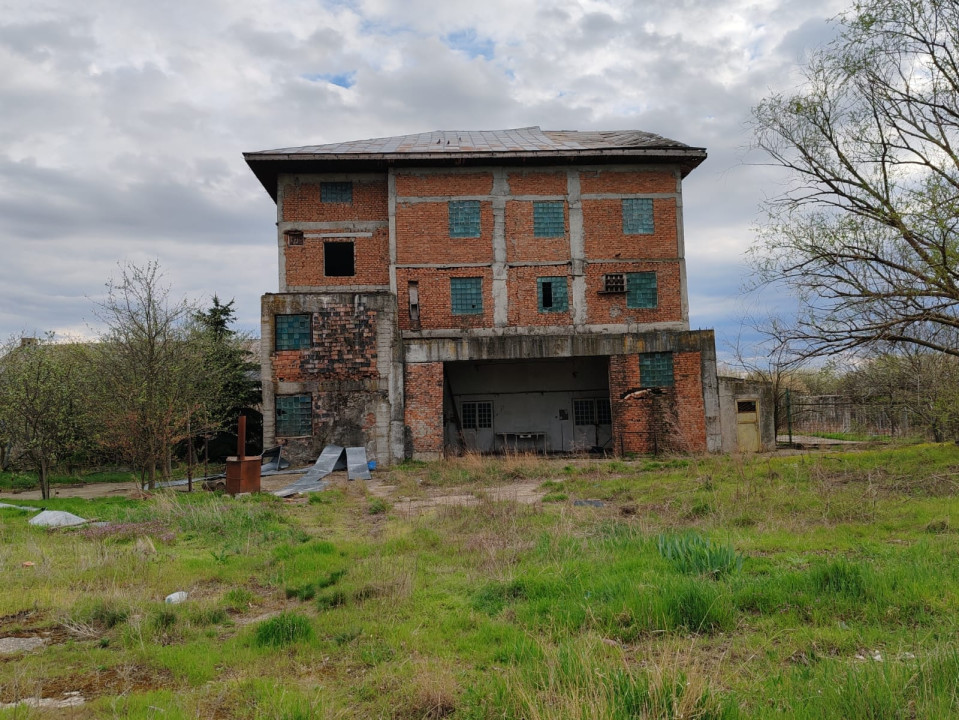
44	402
150	364
866	232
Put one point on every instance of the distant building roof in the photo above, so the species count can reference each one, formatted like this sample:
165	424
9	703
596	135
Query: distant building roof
529	145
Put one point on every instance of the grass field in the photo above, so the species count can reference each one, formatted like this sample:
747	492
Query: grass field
803	586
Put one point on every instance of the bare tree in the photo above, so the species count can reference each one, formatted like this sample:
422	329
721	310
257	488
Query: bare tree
866	232
150	367
43	402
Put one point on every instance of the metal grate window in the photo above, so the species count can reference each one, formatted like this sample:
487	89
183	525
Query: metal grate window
655	369
294	415
464	218
603	414
466	296
477	415
552	294
336	192
584	412
641	290
548	219
614	283
293	332
637	216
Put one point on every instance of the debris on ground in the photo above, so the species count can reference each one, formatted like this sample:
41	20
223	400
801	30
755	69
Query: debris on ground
12	645
25	508
70	699
56	518
177	597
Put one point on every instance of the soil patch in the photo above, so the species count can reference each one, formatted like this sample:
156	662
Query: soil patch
110	681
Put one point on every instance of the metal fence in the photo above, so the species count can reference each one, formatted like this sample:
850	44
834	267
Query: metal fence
827	415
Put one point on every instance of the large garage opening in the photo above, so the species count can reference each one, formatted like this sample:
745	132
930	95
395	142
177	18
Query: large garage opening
545	406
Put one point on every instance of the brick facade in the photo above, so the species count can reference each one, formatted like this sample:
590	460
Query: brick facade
424	407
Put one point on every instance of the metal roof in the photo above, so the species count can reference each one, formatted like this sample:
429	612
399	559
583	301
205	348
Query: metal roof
529	145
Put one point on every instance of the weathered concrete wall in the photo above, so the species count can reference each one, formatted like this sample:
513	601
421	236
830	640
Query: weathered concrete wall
733	389
347	371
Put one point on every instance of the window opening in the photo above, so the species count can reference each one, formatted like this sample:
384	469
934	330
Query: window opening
477	415
746	406
294	237
603	414
293	332
584	412
464	218
338	260
655	369
641	290
614	283
466	296
294	415
413	290
552	294
336	192
548	219
638	216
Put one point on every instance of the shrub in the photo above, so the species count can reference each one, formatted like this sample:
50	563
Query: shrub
283	629
697	555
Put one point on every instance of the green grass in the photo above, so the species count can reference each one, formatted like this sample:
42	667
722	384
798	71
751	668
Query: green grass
802	586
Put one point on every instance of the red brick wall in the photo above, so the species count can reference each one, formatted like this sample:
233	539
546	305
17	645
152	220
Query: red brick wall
669	419
371	255
603	230
423	235
611	308
627	182
522	245
441	184
424	406
531	182
301	202
524	296
435	302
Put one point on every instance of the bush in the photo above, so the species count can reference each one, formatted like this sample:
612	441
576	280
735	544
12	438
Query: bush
697	555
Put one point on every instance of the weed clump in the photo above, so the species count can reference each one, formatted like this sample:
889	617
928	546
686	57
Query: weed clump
378	506
841	577
283	629
695	554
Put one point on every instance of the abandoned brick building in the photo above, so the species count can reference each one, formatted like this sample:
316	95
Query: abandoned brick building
505	290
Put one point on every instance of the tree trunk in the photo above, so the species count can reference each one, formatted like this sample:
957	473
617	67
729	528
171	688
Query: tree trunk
44	479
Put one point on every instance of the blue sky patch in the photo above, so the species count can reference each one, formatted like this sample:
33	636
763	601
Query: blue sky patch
344	80
469	42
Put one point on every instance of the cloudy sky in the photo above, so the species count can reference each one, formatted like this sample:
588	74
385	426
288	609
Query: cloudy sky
122	122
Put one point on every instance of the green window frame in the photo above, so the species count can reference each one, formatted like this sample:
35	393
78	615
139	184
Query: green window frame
641	290
293	332
656	369
638	216
336	192
552	295
294	415
464	218
466	296
549	219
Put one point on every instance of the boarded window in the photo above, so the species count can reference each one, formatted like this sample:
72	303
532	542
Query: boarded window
464	218
552	294
477	415
641	290
548	220
293	332
466	295
338	260
637	216
336	192
294	415
655	369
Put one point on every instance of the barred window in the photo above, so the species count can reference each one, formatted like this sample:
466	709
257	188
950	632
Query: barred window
552	295
294	415
637	216
614	283
641	290
466	296
292	332
655	369
548	219
464	217
336	192
477	415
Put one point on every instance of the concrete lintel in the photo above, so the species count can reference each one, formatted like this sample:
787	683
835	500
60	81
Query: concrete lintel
304	178
518	347
619	328
369	226
417	199
441	266
335	289
596	261
338	234
622	196
545	263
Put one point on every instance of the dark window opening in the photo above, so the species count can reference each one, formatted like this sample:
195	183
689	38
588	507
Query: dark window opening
477	415
336	192
547	295
746	406
603	414
338	259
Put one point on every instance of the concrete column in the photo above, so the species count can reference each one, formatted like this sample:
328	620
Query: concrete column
681	250
280	237
391	213
500	271
577	247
